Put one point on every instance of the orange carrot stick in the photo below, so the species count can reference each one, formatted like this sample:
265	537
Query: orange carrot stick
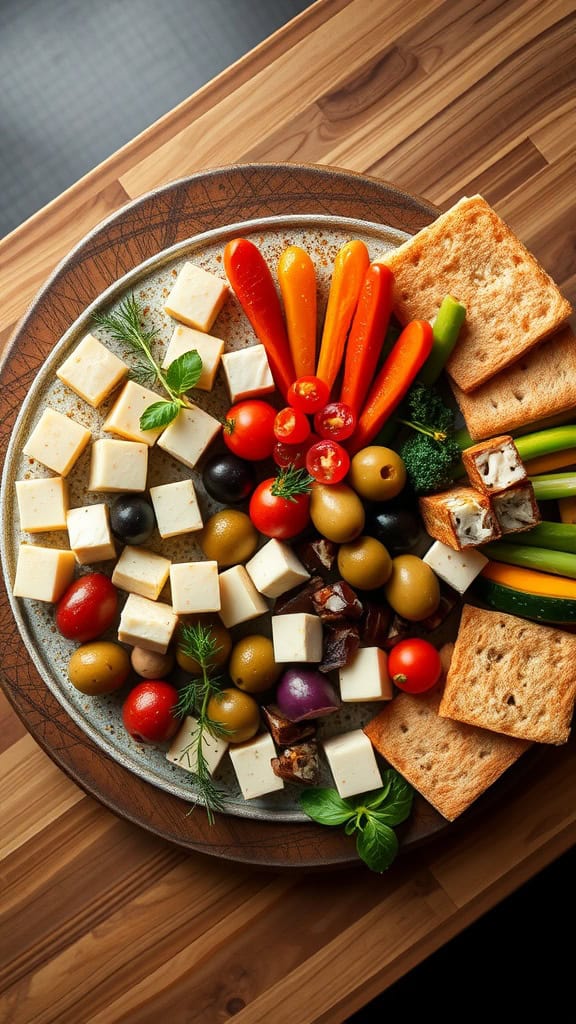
297	280
395	377
350	266
367	335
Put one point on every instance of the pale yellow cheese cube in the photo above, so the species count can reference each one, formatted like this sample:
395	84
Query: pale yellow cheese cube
274	569
240	599
352	763
188	436
147	624
297	637
124	416
89	532
183	749
366	676
251	762
197	297
195	587
43	574
141	572
176	508
92	371
57	441
42	504
187	339
247	373
118	465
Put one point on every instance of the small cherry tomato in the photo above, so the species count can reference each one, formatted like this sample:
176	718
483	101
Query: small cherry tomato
336	421
414	665
328	462
308	394
292	454
280	505
249	429
87	608
291	426
148	711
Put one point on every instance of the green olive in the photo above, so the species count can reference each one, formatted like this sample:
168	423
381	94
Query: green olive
252	666
237	712
364	563
337	512
229	537
99	667
150	664
222	641
377	473
412	589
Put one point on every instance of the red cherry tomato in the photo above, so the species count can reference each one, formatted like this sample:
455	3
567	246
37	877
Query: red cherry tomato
292	454
249	429
414	665
278	516
336	421
308	394
87	608
148	711
291	426
328	462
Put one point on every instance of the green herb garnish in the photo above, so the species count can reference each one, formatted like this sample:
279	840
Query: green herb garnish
370	816
125	325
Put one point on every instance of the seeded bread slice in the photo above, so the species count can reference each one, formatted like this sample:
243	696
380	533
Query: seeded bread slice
512	676
470	253
449	763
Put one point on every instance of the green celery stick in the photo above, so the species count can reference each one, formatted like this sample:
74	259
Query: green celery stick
559	563
445	330
555	536
549	486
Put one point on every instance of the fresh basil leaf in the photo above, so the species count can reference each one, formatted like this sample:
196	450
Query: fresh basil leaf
372	799
398	803
351	826
326	807
159	414
377	845
184	373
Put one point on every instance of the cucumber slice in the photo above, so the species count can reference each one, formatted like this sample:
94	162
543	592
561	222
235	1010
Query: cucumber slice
556	611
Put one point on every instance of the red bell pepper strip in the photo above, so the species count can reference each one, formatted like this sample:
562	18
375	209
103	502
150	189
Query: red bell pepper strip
253	285
392	382
367	335
350	266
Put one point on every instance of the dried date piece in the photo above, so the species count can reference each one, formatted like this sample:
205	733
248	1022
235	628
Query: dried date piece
398	629
284	731
298	763
341	641
299	599
317	555
448	600
337	601
375	624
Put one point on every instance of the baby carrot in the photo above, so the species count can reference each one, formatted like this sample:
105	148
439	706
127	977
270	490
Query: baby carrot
350	266
297	280
367	335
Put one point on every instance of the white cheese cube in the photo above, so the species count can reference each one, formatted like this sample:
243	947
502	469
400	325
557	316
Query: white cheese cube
43	573
141	572
274	569
124	416
197	297
247	373
184	747
240	599
297	637
118	465
57	441
92	371
352	763
210	349
456	568
89	532
366	677
176	508
147	624
42	504
253	769
188	436
195	587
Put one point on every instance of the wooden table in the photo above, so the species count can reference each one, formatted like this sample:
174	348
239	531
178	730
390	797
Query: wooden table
102	921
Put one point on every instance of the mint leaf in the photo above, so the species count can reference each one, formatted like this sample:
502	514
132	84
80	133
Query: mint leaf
398	803
184	373
377	845
326	807
159	414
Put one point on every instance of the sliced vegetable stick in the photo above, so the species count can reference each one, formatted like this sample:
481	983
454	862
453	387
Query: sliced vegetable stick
297	280
559	563
350	266
446	328
548	463
567	510
553	485
367	335
547	534
529	581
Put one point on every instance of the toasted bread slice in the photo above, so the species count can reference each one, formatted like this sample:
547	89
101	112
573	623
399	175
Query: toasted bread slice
461	518
512	676
449	763
542	384
511	302
516	509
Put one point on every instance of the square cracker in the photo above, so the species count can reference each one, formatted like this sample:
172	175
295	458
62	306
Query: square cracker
449	763
541	384
470	253
512	676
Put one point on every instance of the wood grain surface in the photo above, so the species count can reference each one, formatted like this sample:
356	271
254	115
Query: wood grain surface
102	921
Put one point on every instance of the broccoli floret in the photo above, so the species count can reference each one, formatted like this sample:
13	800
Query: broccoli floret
427	409
430	464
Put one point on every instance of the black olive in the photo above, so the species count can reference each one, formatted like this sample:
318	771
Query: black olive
397	526
132	518
228	479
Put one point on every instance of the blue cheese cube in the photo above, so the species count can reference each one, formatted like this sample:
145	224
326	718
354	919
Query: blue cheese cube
42	504
366	677
195	587
141	572
43	574
210	349
57	441
197	297
183	749
247	373
176	508
188	436
92	371
90	535
456	568
352	763
297	637
252	764
124	416
274	569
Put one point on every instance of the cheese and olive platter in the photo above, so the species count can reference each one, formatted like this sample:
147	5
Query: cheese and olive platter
257	546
